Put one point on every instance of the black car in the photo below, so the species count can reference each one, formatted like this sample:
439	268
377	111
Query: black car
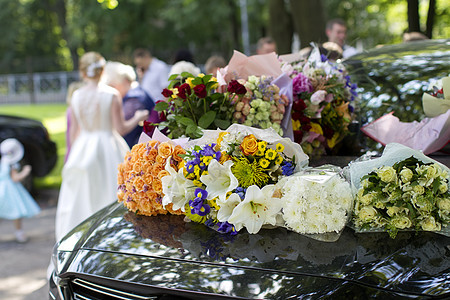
393	78
116	254
40	151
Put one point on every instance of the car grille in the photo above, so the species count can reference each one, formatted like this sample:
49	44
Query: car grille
86	290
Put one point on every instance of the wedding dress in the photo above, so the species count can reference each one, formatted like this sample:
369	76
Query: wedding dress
89	177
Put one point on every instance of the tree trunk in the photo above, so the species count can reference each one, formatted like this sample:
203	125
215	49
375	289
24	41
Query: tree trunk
235	25
59	8
430	18
280	26
413	16
309	21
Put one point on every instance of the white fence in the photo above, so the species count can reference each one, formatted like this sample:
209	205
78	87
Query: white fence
36	87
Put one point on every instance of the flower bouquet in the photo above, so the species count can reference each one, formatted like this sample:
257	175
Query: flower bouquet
322	106
316	202
267	103
193	103
401	190
232	175
262	105
140	175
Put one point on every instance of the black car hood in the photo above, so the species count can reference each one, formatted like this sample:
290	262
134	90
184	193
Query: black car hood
164	250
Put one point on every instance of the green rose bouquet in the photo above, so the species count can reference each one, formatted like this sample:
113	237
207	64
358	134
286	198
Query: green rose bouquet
409	195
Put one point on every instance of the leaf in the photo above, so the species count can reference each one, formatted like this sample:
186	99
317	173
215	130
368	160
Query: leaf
185	121
161	106
207	119
190	129
222	124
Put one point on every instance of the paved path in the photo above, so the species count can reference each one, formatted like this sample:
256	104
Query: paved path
23	267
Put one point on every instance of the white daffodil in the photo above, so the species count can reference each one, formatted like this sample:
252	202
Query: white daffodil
219	180
176	188
227	207
257	209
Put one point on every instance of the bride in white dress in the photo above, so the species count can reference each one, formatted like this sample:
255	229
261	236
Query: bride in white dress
89	177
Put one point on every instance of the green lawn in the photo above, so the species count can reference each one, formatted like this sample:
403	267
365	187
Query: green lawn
53	116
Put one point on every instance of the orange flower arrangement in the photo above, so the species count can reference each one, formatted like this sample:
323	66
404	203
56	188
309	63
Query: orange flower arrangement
139	177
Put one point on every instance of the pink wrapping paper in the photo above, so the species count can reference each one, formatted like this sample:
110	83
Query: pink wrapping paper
429	135
241	66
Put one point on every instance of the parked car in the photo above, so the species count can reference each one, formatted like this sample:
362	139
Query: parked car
116	254
40	151
393	78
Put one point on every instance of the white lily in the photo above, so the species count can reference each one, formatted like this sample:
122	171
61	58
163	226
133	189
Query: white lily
227	207
219	180
176	188
258	208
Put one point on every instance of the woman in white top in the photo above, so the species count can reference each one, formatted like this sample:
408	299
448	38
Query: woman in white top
89	177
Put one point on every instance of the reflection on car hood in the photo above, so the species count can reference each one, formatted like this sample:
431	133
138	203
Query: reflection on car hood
159	250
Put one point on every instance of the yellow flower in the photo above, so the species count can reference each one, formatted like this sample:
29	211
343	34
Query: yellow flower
271	154
262	145
197	171
220	139
259	152
213	203
174	93
296	125
189	81
197	183
214	79
264	163
332	142
206	159
280	147
316	128
279	160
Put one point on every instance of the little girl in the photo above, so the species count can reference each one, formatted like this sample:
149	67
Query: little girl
15	202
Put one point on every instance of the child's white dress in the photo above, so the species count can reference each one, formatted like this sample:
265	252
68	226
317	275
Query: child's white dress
15	201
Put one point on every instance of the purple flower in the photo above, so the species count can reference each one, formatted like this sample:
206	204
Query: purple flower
226	227
200	193
301	84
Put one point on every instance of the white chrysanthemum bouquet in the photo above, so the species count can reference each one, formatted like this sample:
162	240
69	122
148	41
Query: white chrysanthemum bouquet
316	201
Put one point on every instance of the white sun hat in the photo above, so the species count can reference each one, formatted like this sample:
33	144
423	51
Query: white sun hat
11	151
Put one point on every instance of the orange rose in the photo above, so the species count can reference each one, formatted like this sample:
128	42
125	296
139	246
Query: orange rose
137	167
148	177
160	159
165	149
138	183
249	145
163	173
156	169
177	151
151	156
157	185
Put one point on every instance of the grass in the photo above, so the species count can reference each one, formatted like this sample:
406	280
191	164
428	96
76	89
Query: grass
53	116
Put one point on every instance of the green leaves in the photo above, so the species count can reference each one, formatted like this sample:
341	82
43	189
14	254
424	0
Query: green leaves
207	119
161	106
